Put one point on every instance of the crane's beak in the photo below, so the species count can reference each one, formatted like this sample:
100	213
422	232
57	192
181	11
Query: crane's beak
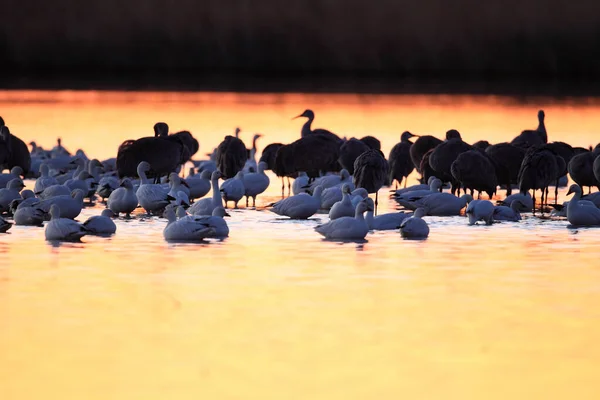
298	116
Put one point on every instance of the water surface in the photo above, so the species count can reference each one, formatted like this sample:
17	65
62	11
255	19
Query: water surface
274	311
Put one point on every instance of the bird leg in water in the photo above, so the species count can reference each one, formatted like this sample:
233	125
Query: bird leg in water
533	201
254	201
376	201
282	187
246	201
289	186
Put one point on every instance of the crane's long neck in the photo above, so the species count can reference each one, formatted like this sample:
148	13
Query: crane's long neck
542	130
306	128
216	194
370	219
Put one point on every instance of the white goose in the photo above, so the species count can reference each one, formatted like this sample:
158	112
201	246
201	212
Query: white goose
579	214
300	206
101	224
44	181
63	229
233	189
421	186
415	227
29	216
526	201
206	206
15	173
347	228
199	184
299	183
384	222
152	197
512	213
184	229
176	185
215	221
333	180
123	200
69	206
9	193
443	204
344	207
255	183
409	199
53	191
480	210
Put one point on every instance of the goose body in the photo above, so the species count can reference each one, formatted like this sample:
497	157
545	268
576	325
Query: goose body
4	225
233	189
206	206
512	213
415	227
63	229
328	181
344	207
69	206
101	224
124	199
184	229
256	183
199	184
384	222
9	193
53	191
300	206
152	197
299	183
347	228
580	214
44	181
443	204
214	221
15	173
480	210
29	216
525	201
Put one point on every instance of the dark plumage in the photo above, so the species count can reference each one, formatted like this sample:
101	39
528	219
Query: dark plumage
481	144
349	152
581	168
400	162
307	127
421	146
231	156
444	155
312	154
507	159
426	170
13	151
268	156
529	138
161	129
539	170
164	154
370	172
372	142
475	171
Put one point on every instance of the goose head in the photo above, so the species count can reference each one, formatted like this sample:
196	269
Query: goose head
346	189
370	203
344	174
574	188
27	194
17	171
126	183
541	115
107	212
262	166
15	184
220	212
216	175
363	206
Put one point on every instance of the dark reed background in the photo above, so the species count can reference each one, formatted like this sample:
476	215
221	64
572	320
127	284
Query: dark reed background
553	39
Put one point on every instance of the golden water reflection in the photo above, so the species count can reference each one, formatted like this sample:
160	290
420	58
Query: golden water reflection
502	312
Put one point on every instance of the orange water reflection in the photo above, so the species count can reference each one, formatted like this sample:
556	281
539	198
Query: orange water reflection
502	312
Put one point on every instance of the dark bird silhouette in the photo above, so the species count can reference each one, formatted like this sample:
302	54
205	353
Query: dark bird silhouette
539	170
231	156
445	154
401	164
475	171
370	172
307	127
161	129
313	154
268	156
581	168
421	146
507	159
372	142
481	144
530	138
349	152
16	152
426	170
596	168
163	153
